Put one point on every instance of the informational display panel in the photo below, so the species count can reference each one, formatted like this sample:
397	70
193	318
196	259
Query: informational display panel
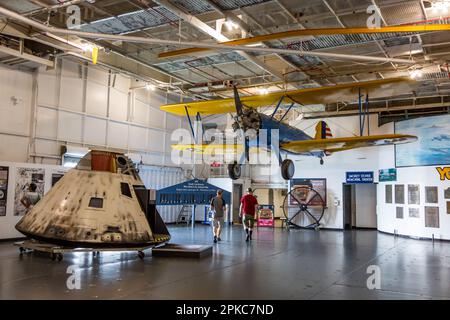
399	194
431	194
318	184
399	212
25	177
266	215
3	190
414	212
413	194
432	217
388	193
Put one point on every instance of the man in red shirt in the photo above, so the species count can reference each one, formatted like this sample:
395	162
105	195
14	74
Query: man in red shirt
247	211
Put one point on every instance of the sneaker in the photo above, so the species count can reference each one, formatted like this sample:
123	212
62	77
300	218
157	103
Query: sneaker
215	239
247	238
218	239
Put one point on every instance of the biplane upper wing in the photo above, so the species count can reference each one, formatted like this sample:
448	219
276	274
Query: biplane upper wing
329	94
341	144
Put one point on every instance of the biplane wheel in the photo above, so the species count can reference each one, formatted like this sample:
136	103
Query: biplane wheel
234	171
59	256
287	169
21	250
141	255
321	161
303	207
53	256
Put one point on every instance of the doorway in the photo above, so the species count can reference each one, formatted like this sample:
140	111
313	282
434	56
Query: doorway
237	195
359	206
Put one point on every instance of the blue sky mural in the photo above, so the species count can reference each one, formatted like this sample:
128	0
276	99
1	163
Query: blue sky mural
433	146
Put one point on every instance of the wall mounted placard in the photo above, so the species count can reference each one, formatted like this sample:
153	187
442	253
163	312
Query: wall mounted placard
388	193
3	190
432	217
359	177
413	194
399	212
399	194
431	194
385	175
414	212
24	178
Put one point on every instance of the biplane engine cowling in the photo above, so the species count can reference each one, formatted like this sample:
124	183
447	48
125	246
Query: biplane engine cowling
250	120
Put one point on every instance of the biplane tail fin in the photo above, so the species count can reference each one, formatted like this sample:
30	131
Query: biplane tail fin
323	131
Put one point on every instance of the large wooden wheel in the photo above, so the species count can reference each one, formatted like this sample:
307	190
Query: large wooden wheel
303	207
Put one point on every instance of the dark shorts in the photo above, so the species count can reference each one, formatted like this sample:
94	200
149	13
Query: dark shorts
248	220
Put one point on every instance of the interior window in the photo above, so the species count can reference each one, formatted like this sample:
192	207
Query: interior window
125	189
96	202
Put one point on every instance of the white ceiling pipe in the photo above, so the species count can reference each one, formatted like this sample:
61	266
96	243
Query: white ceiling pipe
125	38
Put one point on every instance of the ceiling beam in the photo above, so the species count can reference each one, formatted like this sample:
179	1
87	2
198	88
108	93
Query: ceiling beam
26	56
315	32
215	34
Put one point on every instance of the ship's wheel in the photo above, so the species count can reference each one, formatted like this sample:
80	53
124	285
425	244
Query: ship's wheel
303	207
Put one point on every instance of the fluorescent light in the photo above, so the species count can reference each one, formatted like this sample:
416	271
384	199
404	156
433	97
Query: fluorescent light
231	25
150	86
263	91
415	74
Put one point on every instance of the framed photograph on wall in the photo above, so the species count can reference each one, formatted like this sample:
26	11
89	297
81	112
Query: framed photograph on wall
431	194
318	184
3	189
26	178
414	212
388	193
399	212
413	194
448	207
399	193
432	217
433	133
447	193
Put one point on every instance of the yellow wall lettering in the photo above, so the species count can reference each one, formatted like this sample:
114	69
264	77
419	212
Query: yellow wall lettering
444	172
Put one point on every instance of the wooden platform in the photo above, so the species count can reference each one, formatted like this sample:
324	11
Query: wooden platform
182	250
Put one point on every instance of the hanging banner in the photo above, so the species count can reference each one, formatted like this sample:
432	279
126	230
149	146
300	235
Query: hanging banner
3	190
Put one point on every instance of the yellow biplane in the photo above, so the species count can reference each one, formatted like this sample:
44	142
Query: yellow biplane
291	140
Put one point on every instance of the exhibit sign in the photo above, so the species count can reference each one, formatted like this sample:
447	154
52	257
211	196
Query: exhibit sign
444	173
3	190
432	146
359	177
266	215
318	184
190	192
386	175
25	177
432	217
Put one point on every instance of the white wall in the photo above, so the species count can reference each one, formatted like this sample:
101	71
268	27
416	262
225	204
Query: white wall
366	203
423	176
8	222
81	105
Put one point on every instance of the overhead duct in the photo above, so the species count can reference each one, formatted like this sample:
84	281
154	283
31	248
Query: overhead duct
125	38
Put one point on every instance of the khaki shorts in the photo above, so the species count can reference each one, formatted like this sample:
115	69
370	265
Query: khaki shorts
248	221
217	222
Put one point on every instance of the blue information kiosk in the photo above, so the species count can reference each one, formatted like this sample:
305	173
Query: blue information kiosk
193	192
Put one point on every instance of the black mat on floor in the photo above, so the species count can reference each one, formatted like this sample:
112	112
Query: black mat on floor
182	250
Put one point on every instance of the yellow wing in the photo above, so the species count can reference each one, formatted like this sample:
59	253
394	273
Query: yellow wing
213	149
338	93
346	143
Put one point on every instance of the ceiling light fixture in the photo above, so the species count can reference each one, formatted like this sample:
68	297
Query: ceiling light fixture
415	74
231	25
263	91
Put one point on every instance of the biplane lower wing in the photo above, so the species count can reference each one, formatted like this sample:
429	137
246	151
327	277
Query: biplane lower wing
346	143
313	146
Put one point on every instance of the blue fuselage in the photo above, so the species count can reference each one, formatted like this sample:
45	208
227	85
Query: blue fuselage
286	133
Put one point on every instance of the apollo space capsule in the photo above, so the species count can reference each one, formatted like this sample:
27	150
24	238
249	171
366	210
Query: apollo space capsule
101	203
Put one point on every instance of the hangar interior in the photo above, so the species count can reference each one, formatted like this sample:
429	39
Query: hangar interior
85	75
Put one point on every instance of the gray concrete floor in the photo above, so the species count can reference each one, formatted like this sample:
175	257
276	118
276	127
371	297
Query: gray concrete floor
277	264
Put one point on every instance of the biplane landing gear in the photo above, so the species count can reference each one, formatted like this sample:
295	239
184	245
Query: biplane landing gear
234	171
303	207
287	169
321	161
